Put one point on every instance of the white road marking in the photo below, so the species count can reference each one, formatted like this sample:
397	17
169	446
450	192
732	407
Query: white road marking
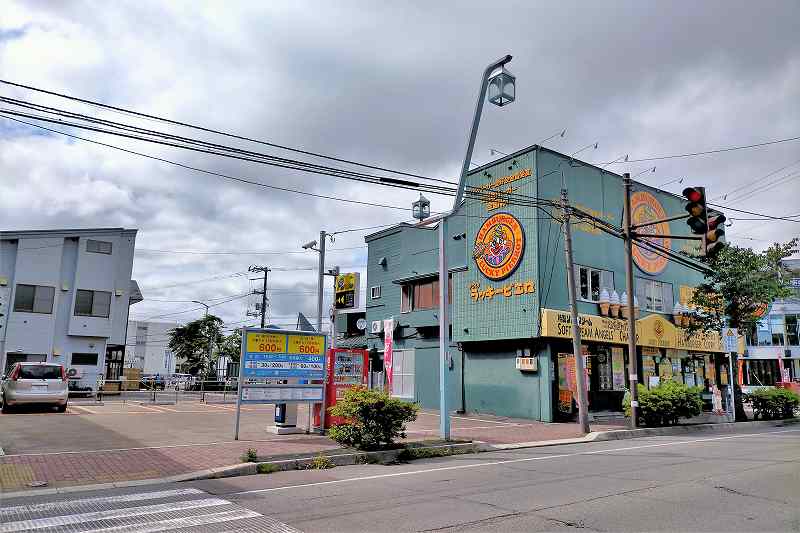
179	523
82	408
63	520
509	461
122	498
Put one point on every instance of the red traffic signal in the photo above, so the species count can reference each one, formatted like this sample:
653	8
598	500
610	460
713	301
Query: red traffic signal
696	207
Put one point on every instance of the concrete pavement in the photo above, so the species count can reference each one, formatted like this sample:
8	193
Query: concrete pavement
740	482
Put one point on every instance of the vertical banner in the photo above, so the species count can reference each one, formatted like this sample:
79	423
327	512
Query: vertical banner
388	345
618	367
740	372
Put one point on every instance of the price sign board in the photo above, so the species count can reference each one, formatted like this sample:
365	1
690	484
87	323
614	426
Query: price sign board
270	354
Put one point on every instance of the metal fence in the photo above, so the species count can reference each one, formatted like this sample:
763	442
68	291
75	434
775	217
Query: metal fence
162	391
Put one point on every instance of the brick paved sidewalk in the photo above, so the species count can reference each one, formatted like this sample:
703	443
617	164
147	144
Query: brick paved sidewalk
106	446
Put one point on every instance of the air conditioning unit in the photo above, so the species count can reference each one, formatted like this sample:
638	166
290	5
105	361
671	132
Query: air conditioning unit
527	364
376	326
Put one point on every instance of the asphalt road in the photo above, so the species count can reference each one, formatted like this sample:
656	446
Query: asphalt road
732	482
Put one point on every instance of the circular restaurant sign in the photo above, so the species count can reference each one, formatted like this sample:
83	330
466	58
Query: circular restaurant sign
499	245
645	208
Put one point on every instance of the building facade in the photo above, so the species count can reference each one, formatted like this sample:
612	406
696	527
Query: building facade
510	332
147	347
65	296
773	347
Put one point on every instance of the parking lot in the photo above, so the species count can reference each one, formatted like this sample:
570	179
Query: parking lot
129	440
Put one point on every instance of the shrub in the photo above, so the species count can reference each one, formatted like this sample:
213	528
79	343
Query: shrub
665	404
250	456
772	404
266	468
320	462
374	418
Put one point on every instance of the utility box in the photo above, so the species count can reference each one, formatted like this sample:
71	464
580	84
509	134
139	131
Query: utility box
346	368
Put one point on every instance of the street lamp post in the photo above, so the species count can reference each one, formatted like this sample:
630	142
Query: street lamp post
502	92
208	353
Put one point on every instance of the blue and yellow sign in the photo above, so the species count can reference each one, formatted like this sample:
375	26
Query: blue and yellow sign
283	355
499	245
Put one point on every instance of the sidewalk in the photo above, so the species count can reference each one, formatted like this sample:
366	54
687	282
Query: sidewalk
116	444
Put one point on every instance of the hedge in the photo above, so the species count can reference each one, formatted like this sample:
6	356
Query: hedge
375	419
665	404
772	404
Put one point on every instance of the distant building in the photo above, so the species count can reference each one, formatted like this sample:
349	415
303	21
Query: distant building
64	298
147	347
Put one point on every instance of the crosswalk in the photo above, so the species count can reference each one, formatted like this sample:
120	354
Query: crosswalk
187	509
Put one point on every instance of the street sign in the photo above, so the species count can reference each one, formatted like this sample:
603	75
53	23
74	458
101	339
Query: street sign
730	340
346	289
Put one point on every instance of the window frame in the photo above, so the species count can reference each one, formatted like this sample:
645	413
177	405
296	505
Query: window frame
412	293
589	270
373	292
36	289
91	313
98	245
646	284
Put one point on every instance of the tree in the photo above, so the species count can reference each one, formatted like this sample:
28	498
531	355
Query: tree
738	285
231	346
189	343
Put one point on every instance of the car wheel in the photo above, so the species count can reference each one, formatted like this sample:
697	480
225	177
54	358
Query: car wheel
61	408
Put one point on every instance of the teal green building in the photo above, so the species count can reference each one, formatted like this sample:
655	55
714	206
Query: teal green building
510	332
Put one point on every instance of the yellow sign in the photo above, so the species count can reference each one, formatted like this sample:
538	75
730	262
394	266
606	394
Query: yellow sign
266	342
494	195
307	344
652	331
499	245
506	291
646	208
345	282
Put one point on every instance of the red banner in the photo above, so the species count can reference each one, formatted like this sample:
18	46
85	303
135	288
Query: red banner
388	344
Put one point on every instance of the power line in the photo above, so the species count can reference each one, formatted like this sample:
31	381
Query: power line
755	182
270	252
211	130
753	213
707	152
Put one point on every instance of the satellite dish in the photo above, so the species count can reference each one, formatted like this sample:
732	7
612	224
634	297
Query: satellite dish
361	324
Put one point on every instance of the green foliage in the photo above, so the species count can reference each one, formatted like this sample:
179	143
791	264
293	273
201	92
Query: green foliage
375	419
773	404
666	404
409	454
320	462
189	343
250	456
739	282
231	346
266	468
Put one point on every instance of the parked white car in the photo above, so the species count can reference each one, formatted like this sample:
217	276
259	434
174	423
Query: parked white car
35	383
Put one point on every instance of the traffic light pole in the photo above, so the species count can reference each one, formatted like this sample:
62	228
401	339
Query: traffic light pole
633	360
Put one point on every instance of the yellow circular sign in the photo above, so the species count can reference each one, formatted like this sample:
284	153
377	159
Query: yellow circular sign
499	245
645	208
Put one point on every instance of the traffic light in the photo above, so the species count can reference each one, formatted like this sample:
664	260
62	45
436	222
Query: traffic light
710	226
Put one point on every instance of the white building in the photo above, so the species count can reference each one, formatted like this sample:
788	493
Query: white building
147	347
64	297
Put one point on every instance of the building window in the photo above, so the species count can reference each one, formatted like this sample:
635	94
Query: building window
777	329
420	295
141	335
34	299
85	359
98	247
375	292
403	373
762	372
792	331
591	281
92	303
654	296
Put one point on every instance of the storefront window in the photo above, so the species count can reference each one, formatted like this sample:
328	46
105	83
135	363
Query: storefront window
776	326
761	372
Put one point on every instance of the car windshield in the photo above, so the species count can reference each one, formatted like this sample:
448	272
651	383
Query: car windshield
40	372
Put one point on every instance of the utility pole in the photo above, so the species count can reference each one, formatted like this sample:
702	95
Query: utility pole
580	369
321	278
265	270
633	371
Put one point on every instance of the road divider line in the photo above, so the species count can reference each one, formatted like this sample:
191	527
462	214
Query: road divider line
508	461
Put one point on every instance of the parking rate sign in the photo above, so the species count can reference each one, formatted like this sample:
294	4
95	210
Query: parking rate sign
284	355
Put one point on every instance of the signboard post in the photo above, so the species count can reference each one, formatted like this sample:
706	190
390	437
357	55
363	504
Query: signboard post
730	341
279	366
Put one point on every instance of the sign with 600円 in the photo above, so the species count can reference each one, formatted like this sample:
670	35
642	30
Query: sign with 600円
499	246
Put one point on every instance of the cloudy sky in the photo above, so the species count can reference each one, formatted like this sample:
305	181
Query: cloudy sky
392	85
